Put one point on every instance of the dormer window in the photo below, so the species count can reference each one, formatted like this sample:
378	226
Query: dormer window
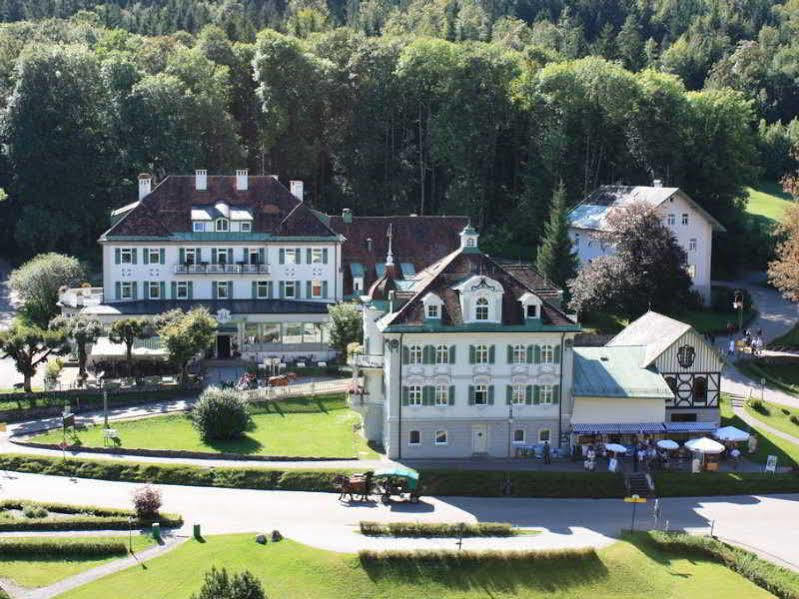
432	311
199	227
221	225
246	227
433	306
532	311
471	242
481	309
531	306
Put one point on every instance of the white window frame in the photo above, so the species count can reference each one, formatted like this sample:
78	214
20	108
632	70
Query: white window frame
547	354
262	286
439	433
481	306
154	252
182	290
546	394
481	354
541	432
316	288
519	354
418	437
432	311
692	244
290	256
126	290
442	395
286	294
153	285
442	354
518	394
221	256
534	308
189	252
414	395
223	285
521	441
414	354
245	226
685	218
126	252
198	226
316	255
482	390
221	225
671	219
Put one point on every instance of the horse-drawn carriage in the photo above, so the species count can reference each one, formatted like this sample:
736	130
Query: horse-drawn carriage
387	483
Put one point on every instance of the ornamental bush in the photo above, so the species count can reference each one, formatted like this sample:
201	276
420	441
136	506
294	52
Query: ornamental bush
218	585
147	502
221	414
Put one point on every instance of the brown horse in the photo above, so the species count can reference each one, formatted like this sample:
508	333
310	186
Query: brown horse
357	486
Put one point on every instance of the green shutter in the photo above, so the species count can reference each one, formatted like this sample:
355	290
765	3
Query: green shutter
270	289
163	289
135	290
230	256
404	396
471	354
529	354
162	255
191	289
213	289
230	290
431	354
428	395
117	256
556	394
324	256
213	256
537	357
324	289
536	394
471	395
254	290
509	394
245	255
182	256
298	256
173	290
145	256
528	394
282	256
296	290
406	355
307	289
134	252
452	395
261	256
451	354
198	255
491	395
556	354
491	354
510	354
308	255
281	289
118	290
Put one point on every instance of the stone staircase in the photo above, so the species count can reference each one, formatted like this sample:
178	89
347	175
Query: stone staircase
640	483
737	401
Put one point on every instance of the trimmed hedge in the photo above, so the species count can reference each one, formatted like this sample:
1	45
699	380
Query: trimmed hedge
685	484
457	558
90	518
62	548
776	580
437	529
492	483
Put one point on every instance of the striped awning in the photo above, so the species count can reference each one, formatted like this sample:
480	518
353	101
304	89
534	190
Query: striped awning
622	428
691	427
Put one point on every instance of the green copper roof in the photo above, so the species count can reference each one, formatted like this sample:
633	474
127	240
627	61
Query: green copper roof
616	372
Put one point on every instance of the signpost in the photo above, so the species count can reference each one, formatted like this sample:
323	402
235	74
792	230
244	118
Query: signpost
635	500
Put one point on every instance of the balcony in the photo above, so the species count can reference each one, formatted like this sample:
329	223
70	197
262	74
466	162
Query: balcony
221	269
367	361
80	297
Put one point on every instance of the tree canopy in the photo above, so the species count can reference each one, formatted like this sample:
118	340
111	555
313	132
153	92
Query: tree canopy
38	281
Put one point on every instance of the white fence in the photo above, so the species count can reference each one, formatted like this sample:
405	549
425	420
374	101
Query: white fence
300	390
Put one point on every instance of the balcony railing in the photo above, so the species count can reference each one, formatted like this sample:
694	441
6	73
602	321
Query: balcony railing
221	269
367	360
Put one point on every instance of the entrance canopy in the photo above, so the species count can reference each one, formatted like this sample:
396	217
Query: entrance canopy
630	428
690	427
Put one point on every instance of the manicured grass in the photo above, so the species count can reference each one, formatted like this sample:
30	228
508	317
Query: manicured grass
781	375
767	444
288	569
768	200
788	340
40	571
303	428
778	417
709	321
603	323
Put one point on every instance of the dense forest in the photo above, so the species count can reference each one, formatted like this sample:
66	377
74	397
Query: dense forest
427	106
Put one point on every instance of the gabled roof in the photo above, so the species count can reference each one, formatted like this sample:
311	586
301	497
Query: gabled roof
167	210
442	278
591	213
616	372
653	331
417	241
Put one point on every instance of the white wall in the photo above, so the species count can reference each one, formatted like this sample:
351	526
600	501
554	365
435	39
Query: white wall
613	410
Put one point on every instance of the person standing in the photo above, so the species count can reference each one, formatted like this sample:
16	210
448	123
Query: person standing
731	349
547	458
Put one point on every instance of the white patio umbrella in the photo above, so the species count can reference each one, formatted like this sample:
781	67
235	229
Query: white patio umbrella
704	445
616	448
730	433
668	444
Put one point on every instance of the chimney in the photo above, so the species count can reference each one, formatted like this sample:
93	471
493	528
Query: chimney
241	180
145	185
296	189
346	215
657	183
201	179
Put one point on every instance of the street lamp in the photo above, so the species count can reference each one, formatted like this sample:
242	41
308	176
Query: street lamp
738	304
510	427
130	534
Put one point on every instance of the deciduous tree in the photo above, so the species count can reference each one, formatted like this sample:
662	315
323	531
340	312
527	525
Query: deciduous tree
80	331
345	325
37	282
187	336
29	346
783	272
127	330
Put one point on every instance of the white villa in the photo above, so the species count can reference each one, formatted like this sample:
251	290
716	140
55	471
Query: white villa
691	225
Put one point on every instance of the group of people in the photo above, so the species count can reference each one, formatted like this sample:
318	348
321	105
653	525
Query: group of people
751	340
646	456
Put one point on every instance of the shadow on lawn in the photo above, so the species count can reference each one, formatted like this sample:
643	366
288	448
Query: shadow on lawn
244	445
492	576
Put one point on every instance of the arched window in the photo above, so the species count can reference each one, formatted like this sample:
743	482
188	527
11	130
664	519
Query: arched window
481	309
221	224
700	389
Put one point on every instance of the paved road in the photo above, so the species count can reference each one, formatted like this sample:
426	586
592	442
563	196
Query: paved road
768	524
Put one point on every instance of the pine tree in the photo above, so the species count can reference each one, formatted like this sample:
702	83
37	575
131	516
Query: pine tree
555	259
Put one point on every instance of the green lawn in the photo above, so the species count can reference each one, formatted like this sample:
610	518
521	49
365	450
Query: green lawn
603	323
704	321
41	572
768	201
305	428
781	375
768	444
290	570
788	340
778	417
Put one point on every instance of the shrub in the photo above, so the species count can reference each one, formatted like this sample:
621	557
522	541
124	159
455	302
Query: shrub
147	502
453	557
33	511
759	407
218	585
685	484
51	373
221	414
795	419
437	529
60	547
